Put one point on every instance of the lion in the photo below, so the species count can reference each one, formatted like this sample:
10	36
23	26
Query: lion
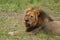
34	18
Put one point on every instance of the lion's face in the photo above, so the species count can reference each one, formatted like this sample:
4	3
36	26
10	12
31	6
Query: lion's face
31	17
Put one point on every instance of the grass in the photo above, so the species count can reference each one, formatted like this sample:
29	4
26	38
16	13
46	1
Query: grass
20	5
11	18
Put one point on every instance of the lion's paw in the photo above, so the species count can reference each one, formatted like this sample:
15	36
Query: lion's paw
11	33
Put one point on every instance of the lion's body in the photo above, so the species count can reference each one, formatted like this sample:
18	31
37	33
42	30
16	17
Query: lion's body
52	27
34	22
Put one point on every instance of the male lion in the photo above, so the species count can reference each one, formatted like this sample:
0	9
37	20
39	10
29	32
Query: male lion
34	17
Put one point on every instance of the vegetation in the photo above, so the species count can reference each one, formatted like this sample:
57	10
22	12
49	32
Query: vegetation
11	16
20	5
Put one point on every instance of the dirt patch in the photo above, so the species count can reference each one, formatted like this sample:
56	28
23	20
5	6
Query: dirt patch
18	16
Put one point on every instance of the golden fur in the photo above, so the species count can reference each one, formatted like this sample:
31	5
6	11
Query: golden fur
34	17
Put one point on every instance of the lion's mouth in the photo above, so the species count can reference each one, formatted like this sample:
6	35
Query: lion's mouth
27	25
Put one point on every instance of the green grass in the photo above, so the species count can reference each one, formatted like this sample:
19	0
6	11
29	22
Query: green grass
10	18
20	5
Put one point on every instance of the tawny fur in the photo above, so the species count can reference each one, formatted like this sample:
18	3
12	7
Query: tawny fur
52	27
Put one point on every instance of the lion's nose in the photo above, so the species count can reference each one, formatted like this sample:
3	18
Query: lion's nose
26	20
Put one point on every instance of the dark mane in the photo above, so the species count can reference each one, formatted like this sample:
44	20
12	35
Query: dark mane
43	15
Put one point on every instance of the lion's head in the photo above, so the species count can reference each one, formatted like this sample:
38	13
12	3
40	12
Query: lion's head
31	17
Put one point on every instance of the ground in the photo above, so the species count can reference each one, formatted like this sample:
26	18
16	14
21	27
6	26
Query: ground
11	12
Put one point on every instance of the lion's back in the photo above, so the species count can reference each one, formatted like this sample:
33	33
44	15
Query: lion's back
53	27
